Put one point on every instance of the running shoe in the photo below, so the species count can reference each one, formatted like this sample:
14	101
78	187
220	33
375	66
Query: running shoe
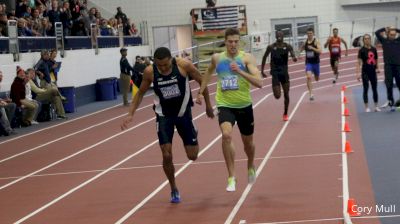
333	81
312	98
175	197
285	117
385	104
367	110
231	184
377	109
251	175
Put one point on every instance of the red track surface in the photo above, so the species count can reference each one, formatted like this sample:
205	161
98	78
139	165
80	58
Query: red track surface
100	174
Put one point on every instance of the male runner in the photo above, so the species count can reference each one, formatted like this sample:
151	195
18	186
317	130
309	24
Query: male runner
334	43
279	68
236	72
172	105
313	49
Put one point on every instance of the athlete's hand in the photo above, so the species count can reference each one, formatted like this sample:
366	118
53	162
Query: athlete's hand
126	121
199	99
294	59
347	54
210	112
235	67
378	71
358	77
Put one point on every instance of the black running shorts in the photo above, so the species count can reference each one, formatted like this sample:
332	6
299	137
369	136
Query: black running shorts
184	125
243	116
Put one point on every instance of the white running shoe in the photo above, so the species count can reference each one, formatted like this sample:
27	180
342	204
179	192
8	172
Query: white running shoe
251	175
34	122
231	184
367	110
377	109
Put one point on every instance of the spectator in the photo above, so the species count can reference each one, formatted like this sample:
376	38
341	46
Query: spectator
23	30
113	26
75	9
105	29
121	15
18	97
3	25
133	31
45	27
7	110
53	66
54	15
79	28
35	20
42	67
29	99
50	95
66	19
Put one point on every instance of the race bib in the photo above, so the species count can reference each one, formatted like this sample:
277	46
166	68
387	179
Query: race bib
335	50
170	91
230	83
310	54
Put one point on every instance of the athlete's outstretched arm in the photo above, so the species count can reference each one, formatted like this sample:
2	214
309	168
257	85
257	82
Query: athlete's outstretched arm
253	76
206	77
193	72
345	45
292	54
264	59
144	86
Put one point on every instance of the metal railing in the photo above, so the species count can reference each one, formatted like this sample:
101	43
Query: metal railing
348	30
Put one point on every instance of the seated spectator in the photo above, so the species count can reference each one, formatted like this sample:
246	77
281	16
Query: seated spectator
105	29
7	110
29	99
23	30
42	67
51	95
79	29
113	26
3	25
18	97
45	27
133	31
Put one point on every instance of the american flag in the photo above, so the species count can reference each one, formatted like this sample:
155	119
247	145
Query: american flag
220	18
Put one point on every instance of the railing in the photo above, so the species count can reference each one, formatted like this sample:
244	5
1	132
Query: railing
34	44
348	30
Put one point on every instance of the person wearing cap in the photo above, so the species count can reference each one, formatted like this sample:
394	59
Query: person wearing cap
125	76
18	96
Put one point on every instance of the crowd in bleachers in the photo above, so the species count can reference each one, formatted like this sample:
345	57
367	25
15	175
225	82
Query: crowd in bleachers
33	96
37	18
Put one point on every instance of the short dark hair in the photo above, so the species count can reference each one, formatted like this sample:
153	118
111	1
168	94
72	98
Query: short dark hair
161	53
335	29
231	32
310	29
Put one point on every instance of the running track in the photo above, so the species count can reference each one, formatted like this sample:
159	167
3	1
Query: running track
89	171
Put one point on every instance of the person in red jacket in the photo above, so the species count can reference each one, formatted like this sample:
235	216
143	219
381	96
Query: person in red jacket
18	93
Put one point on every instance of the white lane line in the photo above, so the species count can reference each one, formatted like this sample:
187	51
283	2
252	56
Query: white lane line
345	170
156	191
176	164
78	132
264	162
93	178
73	155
